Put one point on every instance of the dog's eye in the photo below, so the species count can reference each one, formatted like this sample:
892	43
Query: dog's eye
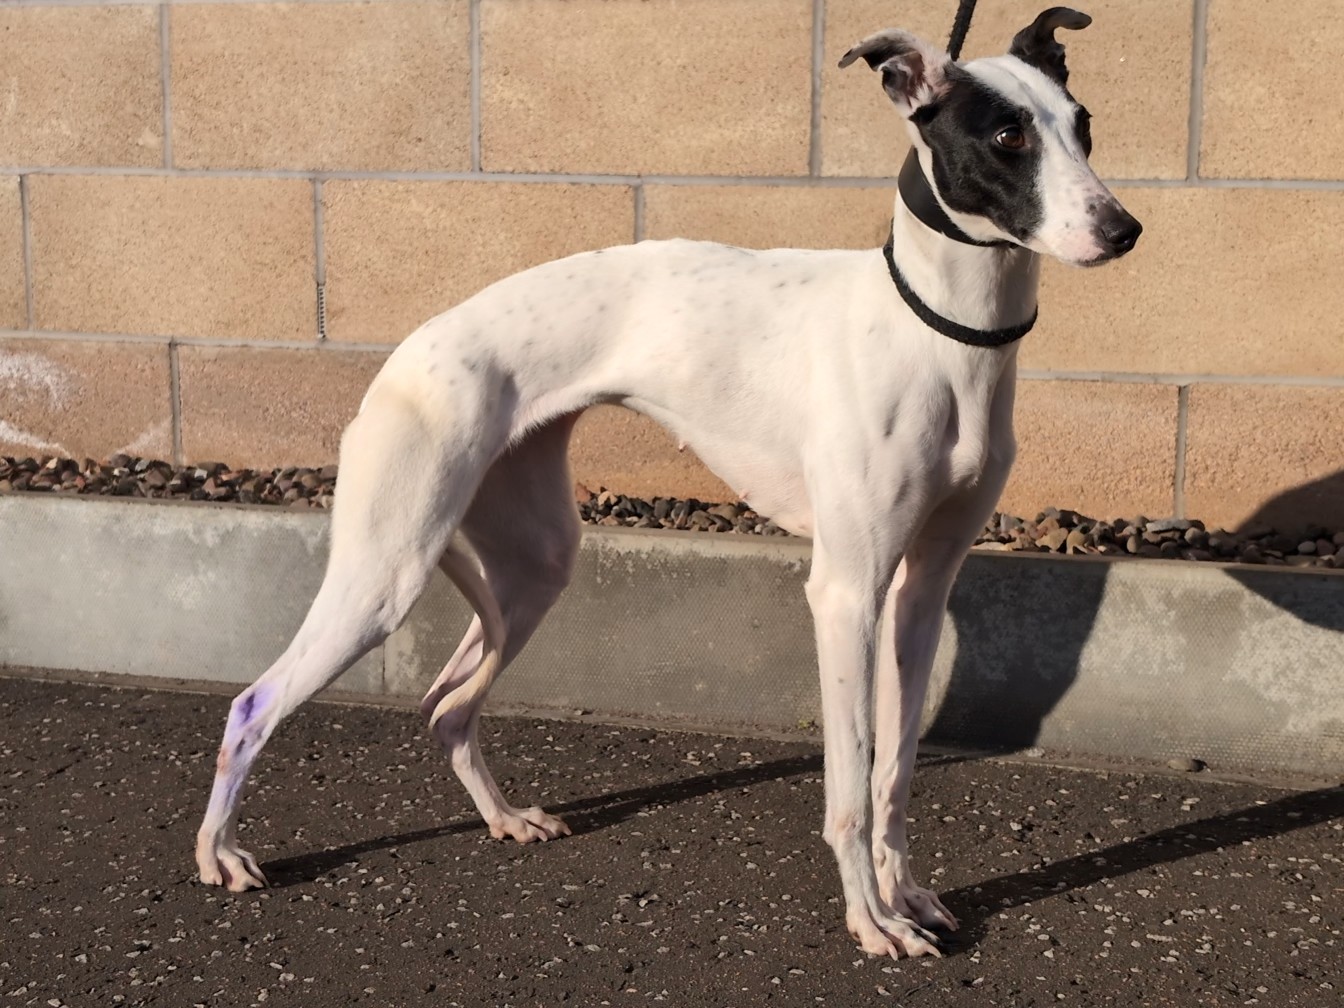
1011	138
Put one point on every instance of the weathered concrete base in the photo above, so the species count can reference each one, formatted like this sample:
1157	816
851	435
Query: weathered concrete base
1239	666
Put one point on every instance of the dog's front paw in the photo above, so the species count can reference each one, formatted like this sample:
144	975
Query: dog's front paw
919	904
925	906
227	865
891	935
528	825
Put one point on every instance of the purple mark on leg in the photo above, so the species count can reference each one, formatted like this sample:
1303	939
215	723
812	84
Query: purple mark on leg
245	706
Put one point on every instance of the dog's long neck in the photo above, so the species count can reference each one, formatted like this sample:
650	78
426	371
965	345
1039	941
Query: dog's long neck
977	286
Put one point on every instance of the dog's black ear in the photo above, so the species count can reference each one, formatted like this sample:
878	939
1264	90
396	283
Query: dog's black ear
1036	45
913	71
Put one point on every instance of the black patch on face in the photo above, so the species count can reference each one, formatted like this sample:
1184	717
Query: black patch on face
972	173
1082	126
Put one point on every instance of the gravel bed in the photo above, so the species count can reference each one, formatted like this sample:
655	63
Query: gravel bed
1054	530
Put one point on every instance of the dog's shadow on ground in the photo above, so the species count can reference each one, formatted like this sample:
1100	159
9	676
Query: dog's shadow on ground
977	904
583	815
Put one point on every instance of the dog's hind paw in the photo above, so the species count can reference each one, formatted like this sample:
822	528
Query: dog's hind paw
232	868
529	825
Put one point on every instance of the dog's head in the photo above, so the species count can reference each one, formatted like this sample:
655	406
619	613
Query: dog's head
1003	142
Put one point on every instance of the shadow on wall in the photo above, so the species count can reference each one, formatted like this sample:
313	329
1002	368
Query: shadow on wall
985	699
1323	501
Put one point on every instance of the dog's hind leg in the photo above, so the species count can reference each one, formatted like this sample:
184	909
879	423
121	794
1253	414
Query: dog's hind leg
403	487
525	530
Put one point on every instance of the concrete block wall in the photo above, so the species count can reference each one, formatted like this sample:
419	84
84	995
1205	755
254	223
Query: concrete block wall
217	217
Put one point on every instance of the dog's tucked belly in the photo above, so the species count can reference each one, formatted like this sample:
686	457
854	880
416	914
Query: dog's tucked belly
769	480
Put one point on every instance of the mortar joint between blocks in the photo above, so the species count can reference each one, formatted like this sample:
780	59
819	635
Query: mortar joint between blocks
1178	471
818	58
319	262
175	400
474	75
1199	51
638	191
165	76
26	229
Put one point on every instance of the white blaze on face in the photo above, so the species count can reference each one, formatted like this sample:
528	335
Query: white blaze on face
1072	198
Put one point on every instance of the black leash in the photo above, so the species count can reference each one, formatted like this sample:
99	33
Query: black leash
961	24
919	198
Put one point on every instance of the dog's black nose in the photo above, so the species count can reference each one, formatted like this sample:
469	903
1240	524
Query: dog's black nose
1121	231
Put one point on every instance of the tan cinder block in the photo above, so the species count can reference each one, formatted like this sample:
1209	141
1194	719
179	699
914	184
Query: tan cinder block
251	407
628	453
770	216
1265	454
81	86
206	257
321	86
1106	449
85	398
1131	68
398	253
13	302
699	87
1217	285
1270	93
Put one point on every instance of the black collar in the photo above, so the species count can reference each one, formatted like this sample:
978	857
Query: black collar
918	196
945	326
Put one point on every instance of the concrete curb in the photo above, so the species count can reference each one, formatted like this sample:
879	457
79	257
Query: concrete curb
1239	666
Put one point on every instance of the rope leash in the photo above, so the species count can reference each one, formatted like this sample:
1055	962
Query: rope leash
961	24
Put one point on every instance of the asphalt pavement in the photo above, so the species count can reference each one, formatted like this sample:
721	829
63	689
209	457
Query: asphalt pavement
696	875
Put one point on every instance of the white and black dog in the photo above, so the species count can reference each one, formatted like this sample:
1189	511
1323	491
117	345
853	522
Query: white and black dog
864	399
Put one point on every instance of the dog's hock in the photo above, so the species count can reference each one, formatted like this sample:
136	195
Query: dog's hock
913	71
1036	46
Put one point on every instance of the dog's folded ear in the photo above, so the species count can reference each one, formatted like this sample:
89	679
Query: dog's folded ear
1036	45
913	71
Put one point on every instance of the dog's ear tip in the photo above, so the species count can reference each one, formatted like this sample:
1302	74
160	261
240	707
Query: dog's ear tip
1036	44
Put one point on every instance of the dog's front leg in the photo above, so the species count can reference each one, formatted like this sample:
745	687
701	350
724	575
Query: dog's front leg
845	592
911	623
913	620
